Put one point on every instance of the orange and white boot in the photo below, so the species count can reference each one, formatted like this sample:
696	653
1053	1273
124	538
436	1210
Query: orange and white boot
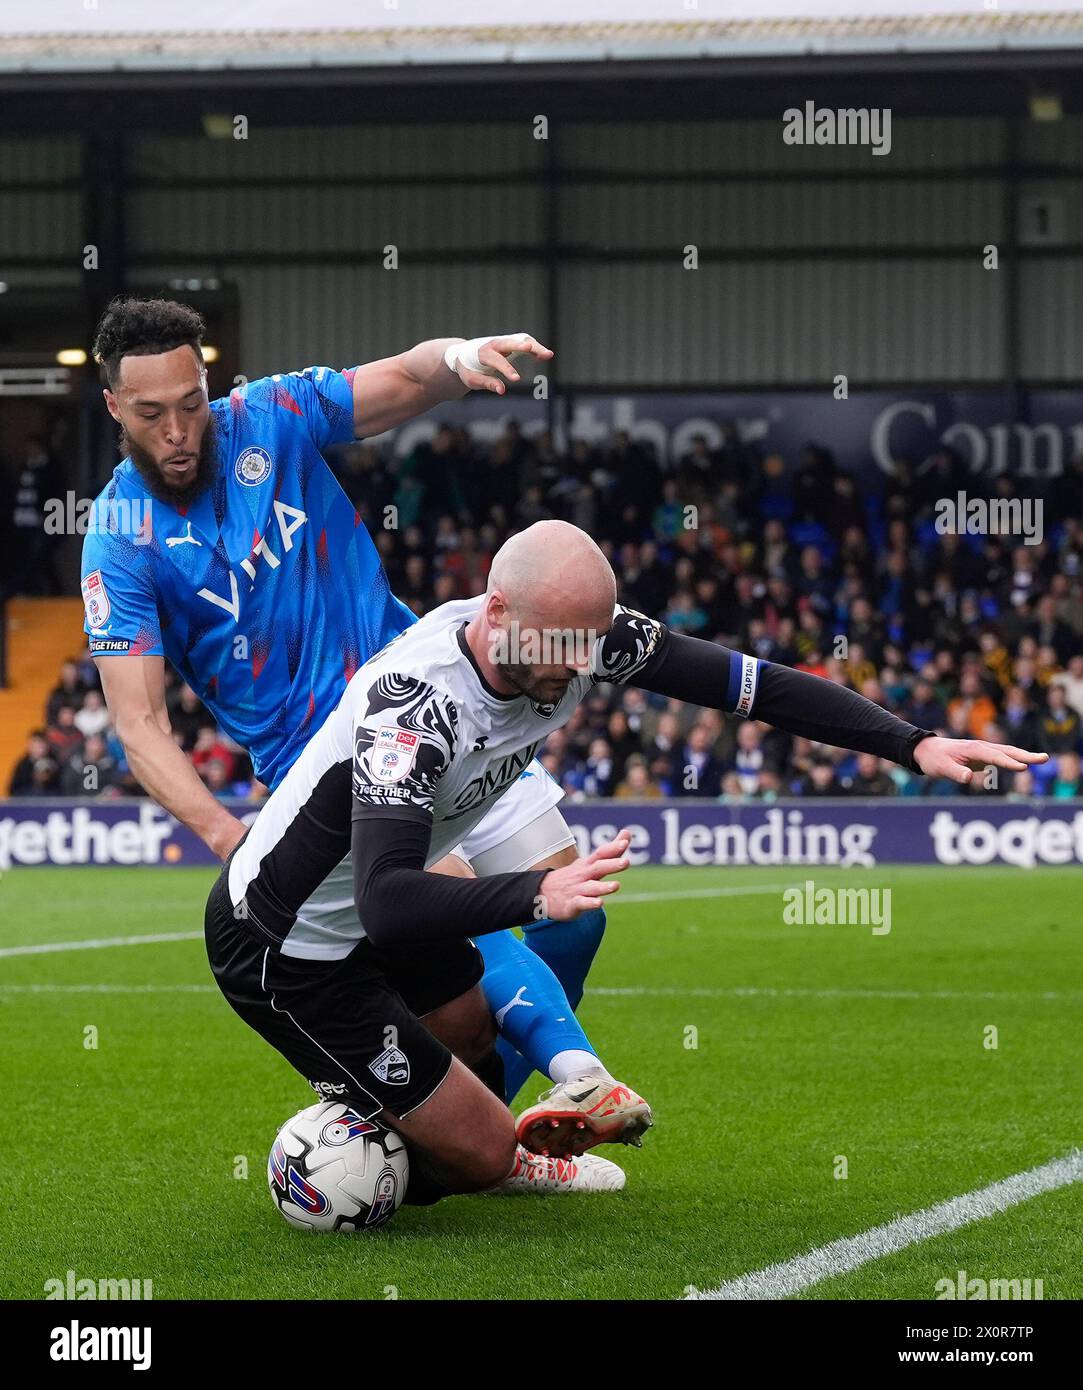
550	1177
581	1112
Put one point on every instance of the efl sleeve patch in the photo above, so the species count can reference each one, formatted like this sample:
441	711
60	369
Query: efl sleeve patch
393	754
96	599
401	763
120	600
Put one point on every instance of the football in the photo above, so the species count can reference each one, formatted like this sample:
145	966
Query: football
331	1170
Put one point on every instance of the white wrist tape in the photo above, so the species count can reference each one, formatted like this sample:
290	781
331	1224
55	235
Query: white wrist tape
467	353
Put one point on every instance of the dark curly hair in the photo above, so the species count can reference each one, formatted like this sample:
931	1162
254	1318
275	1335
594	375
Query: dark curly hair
141	328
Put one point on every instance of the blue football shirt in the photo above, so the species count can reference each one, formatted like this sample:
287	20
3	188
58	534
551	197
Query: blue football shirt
266	593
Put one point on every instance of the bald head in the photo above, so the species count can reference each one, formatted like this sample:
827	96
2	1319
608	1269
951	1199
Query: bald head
554	572
550	596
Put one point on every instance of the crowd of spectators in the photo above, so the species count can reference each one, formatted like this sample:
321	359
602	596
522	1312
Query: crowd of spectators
796	561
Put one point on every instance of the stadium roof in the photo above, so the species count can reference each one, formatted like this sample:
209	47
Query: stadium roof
62	36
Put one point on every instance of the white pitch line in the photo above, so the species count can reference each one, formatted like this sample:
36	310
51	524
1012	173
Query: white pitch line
767	992
733	892
108	989
42	948
851	1252
653	992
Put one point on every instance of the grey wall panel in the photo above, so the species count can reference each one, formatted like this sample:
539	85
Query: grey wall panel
1052	142
32	160
334	219
40	224
1050	326
371	151
796	321
781	214
338	317
753	147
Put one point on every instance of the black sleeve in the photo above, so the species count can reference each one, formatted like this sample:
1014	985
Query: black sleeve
401	905
705	673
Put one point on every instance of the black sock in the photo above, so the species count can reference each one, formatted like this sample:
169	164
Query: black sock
424	1188
490	1070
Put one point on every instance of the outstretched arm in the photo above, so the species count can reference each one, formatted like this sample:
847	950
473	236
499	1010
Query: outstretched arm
134	688
640	651
394	389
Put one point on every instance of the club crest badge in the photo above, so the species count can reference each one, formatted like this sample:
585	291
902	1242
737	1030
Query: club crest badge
253	466
391	1067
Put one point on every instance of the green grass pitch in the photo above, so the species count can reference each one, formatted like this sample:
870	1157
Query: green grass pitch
766	1049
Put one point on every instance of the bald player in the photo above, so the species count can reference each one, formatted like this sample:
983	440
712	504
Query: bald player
426	737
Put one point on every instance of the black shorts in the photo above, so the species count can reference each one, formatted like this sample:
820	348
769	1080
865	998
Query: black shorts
351	1027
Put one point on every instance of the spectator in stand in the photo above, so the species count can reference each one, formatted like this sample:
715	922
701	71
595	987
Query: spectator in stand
210	746
813	662
871	778
1048	630
820	779
664	752
216	774
70	691
701	772
924	709
698	477
36	773
531	508
748	759
667	523
783	563
685	615
1017	719
598	772
416	587
975	703
1072	681
93	717
367	482
1067	783
1058	723
622	742
90	771
187	715
63	735
637	785
38	481
443	590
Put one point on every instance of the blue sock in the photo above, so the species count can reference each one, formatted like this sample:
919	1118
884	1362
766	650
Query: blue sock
535	1018
568	948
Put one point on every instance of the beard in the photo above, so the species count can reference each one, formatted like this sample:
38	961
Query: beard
156	481
548	691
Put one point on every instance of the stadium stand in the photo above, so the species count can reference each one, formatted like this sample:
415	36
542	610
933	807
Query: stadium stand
979	636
